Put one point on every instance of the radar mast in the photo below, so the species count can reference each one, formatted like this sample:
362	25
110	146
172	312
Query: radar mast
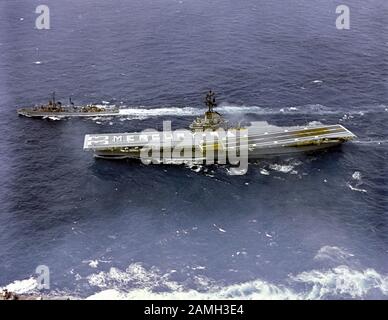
210	100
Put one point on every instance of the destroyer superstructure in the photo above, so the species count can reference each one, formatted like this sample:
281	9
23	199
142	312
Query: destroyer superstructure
55	109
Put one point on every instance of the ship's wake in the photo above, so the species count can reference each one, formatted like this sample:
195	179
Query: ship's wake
142	112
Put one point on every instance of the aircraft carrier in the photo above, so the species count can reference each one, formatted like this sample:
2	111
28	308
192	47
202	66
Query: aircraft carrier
209	137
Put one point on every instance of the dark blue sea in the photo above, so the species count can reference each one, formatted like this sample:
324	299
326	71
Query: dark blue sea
308	227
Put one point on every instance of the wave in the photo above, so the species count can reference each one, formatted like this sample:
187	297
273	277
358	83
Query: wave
138	282
341	281
255	290
287	166
356	176
150	284
22	286
333	253
283	168
356	189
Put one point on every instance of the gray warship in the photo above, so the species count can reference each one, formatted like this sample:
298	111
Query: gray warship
210	136
54	109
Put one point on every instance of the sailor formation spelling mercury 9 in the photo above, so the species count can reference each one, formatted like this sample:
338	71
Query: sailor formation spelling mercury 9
209	138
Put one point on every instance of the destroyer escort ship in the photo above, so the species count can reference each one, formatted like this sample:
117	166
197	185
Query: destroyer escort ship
55	109
260	138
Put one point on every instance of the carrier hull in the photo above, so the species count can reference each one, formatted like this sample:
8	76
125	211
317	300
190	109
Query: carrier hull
260	140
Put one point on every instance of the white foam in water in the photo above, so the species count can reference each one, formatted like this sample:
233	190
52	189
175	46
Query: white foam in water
135	275
255	289
219	229
198	268
144	112
288	109
356	189
341	281
235	171
141	112
250	290
264	172
172	111
22	286
91	263
281	168
333	253
287	167
54	118
185	111
223	108
356	175
137	282
315	123
194	167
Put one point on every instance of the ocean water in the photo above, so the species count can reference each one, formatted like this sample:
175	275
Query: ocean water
308	227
